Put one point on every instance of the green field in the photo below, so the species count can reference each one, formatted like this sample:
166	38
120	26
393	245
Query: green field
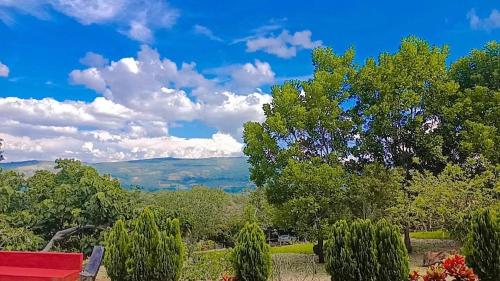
302	248
437	234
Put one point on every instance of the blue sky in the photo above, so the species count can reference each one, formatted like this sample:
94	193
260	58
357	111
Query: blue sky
104	80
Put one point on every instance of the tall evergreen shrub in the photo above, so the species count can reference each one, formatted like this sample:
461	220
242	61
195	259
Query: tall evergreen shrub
482	247
252	255
391	253
147	253
170	252
338	253
117	251
145	239
364	250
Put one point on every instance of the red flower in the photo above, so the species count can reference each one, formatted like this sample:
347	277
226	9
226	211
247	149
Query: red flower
455	266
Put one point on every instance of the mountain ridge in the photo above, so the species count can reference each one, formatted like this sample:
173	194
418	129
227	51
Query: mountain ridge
229	173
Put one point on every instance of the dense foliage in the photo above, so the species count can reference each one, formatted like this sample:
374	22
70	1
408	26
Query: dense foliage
482	248
46	202
252	255
204	213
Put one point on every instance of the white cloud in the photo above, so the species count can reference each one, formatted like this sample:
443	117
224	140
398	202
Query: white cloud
94	60
205	31
245	77
19	148
285	45
136	19
89	12
141	98
4	70
156	86
140	32
489	23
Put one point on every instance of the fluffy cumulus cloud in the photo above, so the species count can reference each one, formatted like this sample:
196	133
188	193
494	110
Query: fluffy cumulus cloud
140	98
284	45
4	70
136	19
487	23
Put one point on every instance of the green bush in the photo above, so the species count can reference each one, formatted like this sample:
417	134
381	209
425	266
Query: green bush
392	254
252	255
147	253
170	252
145	239
364	249
338	254
117	251
482	247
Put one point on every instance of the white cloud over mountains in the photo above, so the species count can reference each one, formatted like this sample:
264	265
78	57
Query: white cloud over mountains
136	18
142	97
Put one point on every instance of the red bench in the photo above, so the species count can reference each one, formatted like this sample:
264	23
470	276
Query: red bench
40	266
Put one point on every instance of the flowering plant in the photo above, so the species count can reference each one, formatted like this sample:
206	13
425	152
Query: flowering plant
453	266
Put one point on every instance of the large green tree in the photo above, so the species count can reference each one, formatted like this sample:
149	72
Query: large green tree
399	99
297	152
471	117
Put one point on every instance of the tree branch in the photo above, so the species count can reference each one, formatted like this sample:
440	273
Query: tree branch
63	234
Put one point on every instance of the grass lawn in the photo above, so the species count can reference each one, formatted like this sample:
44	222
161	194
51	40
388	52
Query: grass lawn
437	234
302	248
307	248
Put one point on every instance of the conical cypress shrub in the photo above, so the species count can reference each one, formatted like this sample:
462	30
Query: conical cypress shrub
392	254
482	247
252	255
338	254
170	255
117	252
364	250
145	239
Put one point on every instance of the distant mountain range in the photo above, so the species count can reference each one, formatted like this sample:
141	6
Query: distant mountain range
228	173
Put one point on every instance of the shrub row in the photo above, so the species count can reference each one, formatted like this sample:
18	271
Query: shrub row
154	251
363	251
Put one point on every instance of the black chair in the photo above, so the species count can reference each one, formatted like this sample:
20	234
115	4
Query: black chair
92	267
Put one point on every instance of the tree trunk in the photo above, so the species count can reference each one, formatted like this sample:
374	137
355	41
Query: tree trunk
408	239
319	251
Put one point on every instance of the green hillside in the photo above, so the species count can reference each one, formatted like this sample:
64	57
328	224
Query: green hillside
228	173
